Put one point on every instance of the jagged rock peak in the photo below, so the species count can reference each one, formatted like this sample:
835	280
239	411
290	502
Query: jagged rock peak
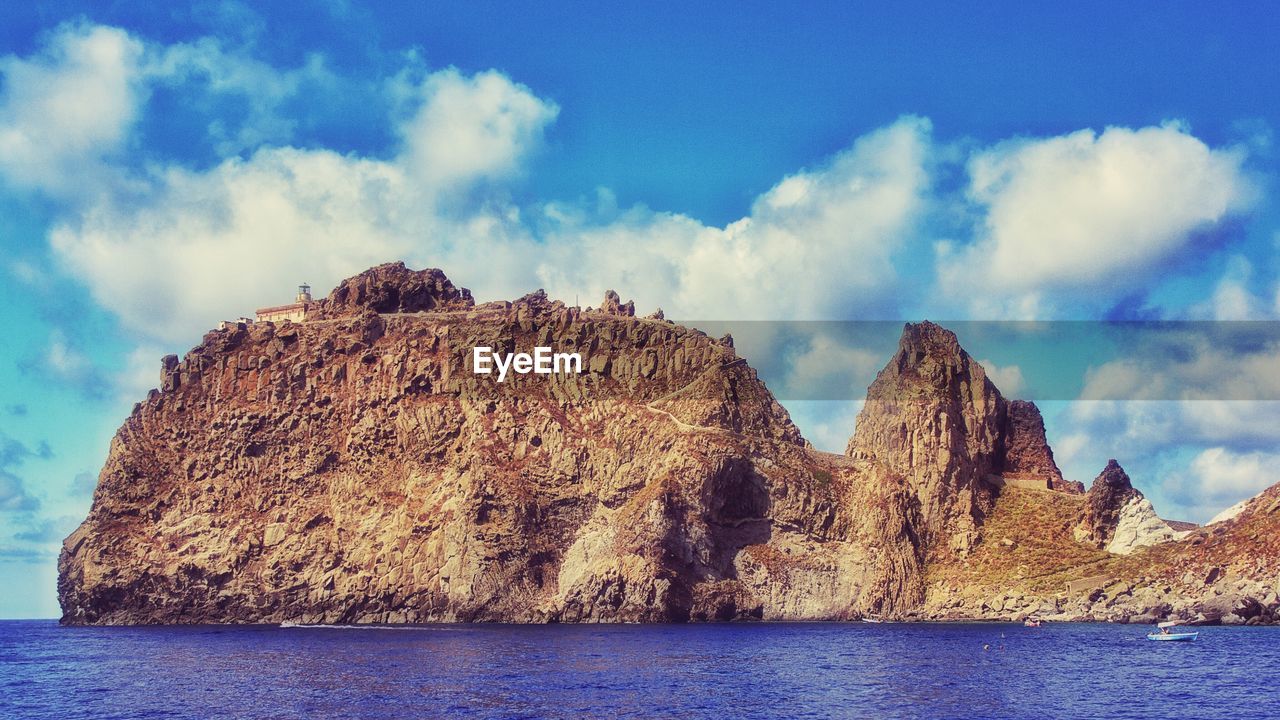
929	337
933	418
613	305
539	303
930	355
394	288
1027	451
1106	498
1112	479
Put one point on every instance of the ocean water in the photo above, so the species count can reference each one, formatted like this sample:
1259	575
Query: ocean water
760	670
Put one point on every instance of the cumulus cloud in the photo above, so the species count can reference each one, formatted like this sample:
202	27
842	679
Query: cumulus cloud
69	114
1197	385
1008	378
1217	478
1088	217
68	109
200	246
60	361
195	246
472	128
1170	447
1180	389
1196	362
818	245
825	368
1232	299
827	424
1140	428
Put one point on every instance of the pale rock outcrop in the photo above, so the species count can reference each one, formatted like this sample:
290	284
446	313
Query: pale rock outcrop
1118	518
1138	526
1230	512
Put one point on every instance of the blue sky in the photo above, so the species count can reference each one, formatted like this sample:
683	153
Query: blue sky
164	167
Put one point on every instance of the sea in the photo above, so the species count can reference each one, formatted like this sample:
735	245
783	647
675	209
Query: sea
732	670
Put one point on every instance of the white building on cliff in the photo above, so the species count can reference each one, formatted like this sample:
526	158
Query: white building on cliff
297	311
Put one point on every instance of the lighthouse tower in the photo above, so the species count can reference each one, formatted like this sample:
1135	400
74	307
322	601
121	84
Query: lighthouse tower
297	311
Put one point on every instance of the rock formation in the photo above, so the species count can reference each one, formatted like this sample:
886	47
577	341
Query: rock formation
1107	497
393	288
1027	451
934	422
353	468
1118	518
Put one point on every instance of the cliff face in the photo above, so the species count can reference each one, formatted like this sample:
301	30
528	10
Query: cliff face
1027	451
354	468
933	420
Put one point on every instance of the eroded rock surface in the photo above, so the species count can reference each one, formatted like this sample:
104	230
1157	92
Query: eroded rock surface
935	423
1118	517
354	469
1027	452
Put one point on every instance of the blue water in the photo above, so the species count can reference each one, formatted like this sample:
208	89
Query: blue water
668	671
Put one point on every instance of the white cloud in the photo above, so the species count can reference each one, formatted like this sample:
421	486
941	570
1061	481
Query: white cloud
1152	439
1088	217
205	69
68	114
1008	378
1218	477
472	128
1176	390
185	248
27	273
828	424
1209	384
140	374
826	367
202	246
62	360
1231	298
69	108
818	245
1203	366
1117	428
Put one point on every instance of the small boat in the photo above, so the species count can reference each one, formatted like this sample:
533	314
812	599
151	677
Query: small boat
1165	635
1032	622
872	620
1173	637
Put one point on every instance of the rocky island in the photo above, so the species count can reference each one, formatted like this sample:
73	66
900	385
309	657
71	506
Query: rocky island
351	468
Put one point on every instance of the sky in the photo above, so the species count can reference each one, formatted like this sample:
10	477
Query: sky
164	167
